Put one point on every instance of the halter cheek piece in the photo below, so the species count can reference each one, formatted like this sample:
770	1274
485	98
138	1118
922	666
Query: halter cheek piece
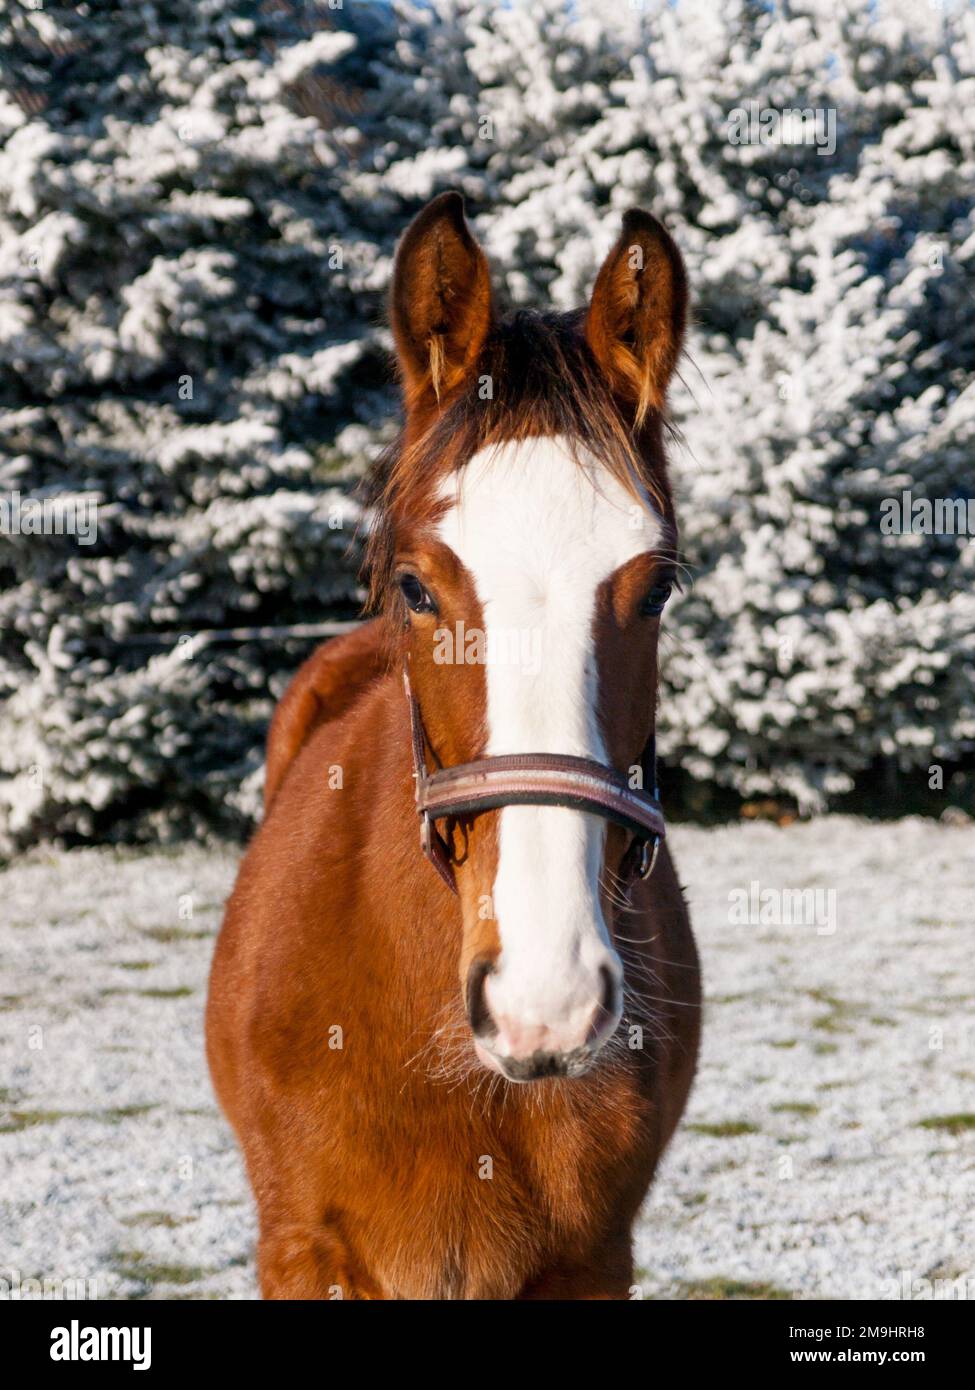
534	779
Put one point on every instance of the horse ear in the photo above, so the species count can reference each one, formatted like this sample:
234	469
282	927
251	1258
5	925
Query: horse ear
441	307
635	323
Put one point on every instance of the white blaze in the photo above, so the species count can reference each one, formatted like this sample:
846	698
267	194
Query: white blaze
539	534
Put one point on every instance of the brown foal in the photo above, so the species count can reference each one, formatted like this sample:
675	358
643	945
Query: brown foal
458	1084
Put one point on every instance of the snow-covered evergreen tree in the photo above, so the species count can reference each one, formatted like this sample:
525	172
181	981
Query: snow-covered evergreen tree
188	335
198	205
831	359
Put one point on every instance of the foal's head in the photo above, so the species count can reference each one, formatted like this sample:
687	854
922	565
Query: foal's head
525	549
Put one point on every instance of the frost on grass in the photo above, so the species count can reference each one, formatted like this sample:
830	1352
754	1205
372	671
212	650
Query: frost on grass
827	1148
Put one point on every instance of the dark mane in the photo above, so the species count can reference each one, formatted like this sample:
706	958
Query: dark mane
536	376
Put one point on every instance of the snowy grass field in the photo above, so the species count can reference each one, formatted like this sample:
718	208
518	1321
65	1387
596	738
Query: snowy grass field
828	1150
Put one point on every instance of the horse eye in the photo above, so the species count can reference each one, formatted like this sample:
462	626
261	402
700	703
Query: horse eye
655	600
415	594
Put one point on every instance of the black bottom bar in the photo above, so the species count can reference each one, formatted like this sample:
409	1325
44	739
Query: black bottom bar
167	1339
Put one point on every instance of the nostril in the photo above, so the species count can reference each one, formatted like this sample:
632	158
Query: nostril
611	991
478	1013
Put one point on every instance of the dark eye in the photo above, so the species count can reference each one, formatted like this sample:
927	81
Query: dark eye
655	599
416	596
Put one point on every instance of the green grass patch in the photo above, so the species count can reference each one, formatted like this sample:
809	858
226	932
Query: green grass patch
722	1289
157	1218
178	992
139	1268
951	1124
169	934
832	1023
121	1112
724	1129
841	1015
17	1120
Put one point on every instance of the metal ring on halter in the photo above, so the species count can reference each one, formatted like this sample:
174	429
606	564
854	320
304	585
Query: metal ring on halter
648	857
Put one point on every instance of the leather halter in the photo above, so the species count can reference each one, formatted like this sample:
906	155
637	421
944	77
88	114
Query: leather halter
534	779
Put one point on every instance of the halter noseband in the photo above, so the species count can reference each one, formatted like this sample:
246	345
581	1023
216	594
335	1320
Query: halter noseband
534	779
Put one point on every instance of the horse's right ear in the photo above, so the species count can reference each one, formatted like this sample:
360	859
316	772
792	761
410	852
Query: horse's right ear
440	307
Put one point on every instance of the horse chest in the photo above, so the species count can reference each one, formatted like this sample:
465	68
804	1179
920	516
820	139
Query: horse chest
476	1213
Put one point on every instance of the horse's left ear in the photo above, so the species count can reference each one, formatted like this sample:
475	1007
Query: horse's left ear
635	323
441	308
